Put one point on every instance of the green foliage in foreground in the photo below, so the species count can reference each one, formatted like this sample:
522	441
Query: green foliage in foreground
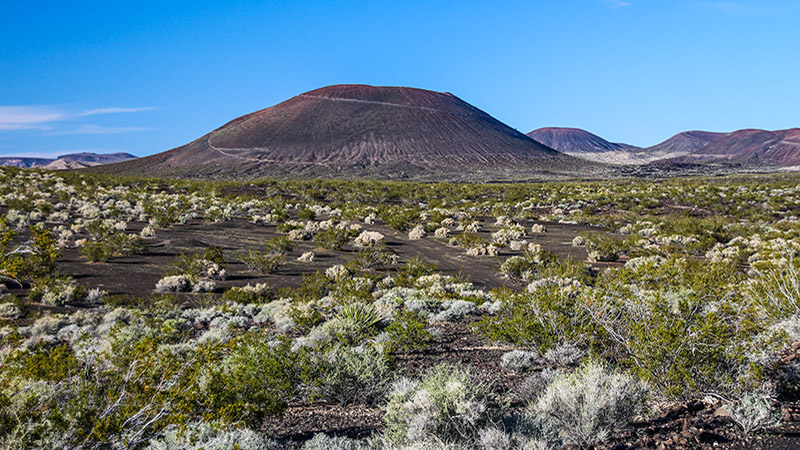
677	325
255	379
144	387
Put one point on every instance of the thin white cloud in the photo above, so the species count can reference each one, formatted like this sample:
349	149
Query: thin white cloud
31	117
114	110
91	128
615	4
27	117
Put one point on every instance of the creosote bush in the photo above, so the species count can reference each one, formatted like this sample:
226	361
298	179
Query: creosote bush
107	242
262	262
256	379
333	238
408	332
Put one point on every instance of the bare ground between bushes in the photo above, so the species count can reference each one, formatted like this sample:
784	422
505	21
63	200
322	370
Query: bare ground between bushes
137	275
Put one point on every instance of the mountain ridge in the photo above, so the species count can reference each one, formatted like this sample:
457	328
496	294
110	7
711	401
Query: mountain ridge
66	161
361	130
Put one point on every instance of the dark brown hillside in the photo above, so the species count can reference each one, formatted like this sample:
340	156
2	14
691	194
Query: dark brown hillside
356	130
685	143
750	147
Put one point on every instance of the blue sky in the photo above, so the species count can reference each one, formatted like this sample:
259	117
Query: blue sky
149	76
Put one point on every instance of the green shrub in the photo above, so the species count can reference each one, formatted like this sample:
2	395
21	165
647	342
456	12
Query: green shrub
116	244
207	263
46	363
519	267
167	215
256	379
96	251
372	257
468	240
306	214
262	262
32	259
260	293
542	319
408	332
333	238
355	375
45	252
681	328
399	218
57	291
602	247
306	316
280	245
313	287
415	267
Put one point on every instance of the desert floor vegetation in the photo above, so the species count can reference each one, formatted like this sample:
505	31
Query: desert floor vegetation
175	314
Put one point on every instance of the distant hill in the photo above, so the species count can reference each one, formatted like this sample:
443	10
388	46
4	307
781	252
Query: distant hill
583	144
749	147
362	131
24	162
683	144
70	161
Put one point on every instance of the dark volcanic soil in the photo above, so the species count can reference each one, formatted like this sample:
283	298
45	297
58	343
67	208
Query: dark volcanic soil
138	275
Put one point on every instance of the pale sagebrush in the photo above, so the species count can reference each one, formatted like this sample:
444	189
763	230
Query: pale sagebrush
446	405
454	310
201	286
306	257
368	239
322	441
95	295
565	354
203	436
590	403
519	360
529	389
778	290
9	311
175	283
755	412
418	232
